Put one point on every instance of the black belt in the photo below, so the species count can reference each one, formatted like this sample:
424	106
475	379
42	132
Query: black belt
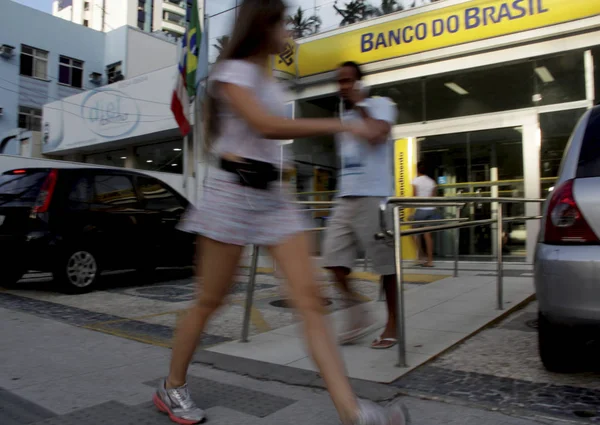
252	173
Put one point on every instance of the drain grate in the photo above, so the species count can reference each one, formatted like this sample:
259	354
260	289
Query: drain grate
533	324
285	303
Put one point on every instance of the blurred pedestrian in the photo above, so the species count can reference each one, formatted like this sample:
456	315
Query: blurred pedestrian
243	204
366	179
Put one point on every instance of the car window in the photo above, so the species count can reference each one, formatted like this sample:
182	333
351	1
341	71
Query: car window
81	191
589	156
114	191
157	196
21	188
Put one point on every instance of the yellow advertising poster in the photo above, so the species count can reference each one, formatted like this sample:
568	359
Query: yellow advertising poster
449	26
404	171
321	181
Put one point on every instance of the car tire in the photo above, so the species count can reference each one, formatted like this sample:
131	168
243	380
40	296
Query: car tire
559	349
77	271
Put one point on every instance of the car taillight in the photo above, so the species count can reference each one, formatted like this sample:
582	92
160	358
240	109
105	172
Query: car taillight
45	196
565	224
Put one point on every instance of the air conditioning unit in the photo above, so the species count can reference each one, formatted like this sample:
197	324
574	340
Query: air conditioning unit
96	78
6	51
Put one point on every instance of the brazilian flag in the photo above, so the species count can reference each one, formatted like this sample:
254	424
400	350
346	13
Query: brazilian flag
193	38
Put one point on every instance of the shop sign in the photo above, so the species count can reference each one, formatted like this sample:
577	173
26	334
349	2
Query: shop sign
450	26
110	113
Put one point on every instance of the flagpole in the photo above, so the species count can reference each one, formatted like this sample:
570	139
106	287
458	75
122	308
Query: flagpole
198	119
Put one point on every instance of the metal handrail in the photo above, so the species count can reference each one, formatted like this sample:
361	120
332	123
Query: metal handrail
400	203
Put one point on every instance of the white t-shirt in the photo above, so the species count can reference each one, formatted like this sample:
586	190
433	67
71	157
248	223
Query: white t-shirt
424	186
367	170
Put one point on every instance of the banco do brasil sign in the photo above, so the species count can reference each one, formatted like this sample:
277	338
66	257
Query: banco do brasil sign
450	26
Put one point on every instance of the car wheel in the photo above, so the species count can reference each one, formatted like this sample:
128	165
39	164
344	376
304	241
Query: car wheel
77	271
559	350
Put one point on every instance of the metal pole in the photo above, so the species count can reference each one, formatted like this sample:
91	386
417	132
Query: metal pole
499	282
456	244
250	293
399	286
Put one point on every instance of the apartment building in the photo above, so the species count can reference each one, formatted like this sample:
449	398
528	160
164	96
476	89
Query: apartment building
166	16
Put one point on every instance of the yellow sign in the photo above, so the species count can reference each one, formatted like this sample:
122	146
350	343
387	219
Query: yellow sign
403	173
471	21
286	61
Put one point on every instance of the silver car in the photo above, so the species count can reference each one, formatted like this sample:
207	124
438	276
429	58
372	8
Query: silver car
567	259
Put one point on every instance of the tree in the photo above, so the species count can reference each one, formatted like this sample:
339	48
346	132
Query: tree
388	6
355	11
221	44
302	25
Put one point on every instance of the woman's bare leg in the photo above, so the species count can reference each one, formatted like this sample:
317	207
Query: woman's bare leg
293	258
218	263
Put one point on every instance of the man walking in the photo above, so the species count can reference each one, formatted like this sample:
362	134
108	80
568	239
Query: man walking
366	178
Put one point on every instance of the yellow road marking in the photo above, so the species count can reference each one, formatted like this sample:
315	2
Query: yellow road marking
259	321
147	316
127	335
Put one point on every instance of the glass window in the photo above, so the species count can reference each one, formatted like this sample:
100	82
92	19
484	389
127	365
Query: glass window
114	73
21	188
559	79
34	62
556	128
157	196
589	157
408	96
30	118
70	72
111	158
166	157
114	190
86	5
479	91
81	192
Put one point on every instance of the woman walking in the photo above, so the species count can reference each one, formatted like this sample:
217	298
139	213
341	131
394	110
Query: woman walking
244	204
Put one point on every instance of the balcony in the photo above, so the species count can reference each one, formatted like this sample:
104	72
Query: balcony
177	7
176	28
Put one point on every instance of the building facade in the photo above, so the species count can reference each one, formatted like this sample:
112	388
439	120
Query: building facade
166	16
36	69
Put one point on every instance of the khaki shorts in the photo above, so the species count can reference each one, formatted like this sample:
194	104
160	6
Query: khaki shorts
355	220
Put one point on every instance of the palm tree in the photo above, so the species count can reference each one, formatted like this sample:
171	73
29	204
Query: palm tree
355	11
302	25
388	6
221	44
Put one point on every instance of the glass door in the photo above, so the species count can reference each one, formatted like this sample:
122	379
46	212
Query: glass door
490	155
484	163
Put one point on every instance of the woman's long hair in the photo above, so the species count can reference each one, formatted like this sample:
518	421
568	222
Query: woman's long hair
252	34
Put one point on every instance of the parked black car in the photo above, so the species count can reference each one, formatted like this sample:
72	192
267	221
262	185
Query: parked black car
77	222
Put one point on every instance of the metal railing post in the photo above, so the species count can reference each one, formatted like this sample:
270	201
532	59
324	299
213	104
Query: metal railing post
499	281
250	293
456	244
399	285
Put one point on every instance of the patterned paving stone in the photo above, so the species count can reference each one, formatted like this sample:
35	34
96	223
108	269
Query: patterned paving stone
97	321
505	393
210	393
15	410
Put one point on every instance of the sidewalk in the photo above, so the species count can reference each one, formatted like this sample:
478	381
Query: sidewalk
52	373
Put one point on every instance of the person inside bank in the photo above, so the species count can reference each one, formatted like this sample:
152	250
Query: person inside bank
424	187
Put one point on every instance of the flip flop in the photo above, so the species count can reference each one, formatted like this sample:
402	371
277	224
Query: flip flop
389	343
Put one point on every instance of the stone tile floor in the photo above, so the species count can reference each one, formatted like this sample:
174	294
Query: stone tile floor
500	368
